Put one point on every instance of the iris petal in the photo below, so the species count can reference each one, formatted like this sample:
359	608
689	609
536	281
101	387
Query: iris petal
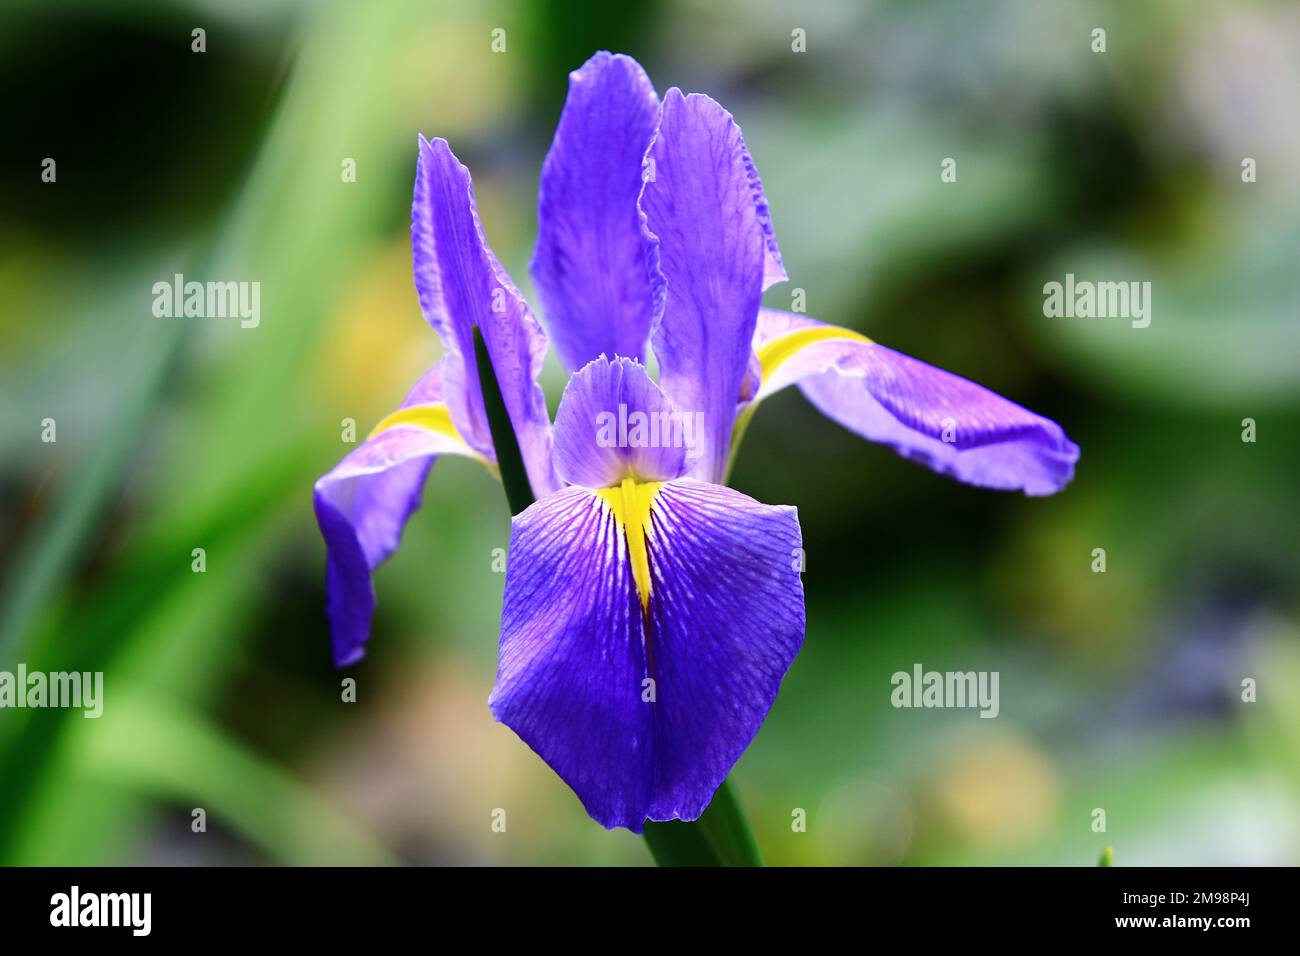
614	422
643	712
572	660
364	502
706	214
462	285
590	263
726	621
943	421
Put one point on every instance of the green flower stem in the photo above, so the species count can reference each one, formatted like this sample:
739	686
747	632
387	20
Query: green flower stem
722	835
737	436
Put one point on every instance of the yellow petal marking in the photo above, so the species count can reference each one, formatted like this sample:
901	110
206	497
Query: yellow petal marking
775	352
433	417
630	504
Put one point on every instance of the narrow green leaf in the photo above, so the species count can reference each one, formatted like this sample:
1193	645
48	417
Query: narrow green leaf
514	478
55	545
147	746
1107	857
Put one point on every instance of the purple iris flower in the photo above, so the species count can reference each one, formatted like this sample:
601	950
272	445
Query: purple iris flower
650	612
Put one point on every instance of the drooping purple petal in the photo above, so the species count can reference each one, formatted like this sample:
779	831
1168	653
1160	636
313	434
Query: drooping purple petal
644	713
726	621
614	422
590	263
941	420
572	662
462	285
364	502
707	218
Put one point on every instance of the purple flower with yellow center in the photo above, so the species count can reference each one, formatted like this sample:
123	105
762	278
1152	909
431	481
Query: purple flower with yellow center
650	612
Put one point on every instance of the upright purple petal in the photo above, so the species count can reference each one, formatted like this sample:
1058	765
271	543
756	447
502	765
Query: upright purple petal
773	265
644	712
590	263
614	422
706	214
364	502
941	420
462	285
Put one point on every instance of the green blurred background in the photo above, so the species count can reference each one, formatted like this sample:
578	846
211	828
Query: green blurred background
1119	691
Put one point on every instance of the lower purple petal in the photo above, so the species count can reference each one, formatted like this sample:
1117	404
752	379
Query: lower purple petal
572	662
643	714
726	621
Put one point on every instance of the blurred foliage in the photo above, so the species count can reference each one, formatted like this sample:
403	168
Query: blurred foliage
1120	691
